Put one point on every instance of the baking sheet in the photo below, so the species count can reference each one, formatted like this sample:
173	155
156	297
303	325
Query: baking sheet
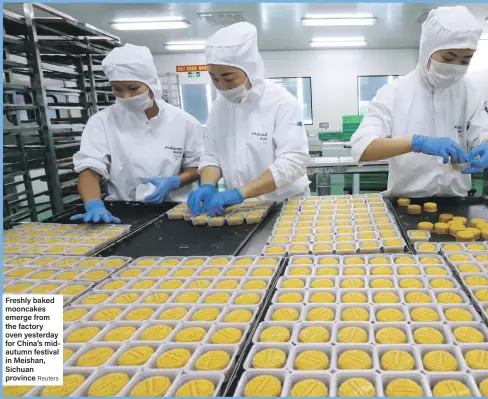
165	237
136	214
468	207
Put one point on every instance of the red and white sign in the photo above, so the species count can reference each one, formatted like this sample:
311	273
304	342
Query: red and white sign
191	68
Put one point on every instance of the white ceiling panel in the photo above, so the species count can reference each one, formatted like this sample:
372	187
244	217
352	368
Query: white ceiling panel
279	24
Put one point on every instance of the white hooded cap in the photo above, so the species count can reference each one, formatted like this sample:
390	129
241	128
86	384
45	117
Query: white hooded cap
237	46
132	63
448	28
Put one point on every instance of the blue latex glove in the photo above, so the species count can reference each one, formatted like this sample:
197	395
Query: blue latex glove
222	200
478	165
441	146
204	194
96	213
163	187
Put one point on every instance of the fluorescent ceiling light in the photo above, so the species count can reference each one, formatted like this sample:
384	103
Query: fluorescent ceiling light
342	15
181	46
339	20
339	42
484	36
151	24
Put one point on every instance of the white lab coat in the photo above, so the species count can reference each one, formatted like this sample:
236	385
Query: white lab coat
411	105
125	148
263	132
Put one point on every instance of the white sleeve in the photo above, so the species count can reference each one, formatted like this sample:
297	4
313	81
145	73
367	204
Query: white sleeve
477	132
209	155
193	144
290	139
94	151
377	123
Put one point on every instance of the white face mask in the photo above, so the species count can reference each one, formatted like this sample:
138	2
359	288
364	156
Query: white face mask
237	94
136	104
442	75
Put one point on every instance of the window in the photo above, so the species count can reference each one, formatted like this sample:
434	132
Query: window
196	99
301	89
367	88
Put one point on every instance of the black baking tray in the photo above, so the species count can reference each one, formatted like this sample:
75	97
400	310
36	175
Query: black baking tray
230	386
468	207
165	237
137	214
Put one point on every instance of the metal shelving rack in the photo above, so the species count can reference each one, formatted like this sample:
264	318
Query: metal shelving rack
171	88
51	87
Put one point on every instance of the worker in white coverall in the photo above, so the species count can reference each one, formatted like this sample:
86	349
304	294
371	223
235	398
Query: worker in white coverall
432	118
140	139
255	136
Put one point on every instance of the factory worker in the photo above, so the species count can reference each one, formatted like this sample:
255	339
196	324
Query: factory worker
433	118
255	138
140	139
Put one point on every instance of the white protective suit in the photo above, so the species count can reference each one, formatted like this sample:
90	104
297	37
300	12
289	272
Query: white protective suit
125	148
411	105
265	131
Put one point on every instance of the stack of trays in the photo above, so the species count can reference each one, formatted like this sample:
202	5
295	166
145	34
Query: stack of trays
470	264
69	276
60	239
361	325
335	225
179	321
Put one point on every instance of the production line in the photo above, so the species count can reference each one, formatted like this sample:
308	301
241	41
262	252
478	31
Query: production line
173	213
283	324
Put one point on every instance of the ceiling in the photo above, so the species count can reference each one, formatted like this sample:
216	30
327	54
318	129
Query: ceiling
278	24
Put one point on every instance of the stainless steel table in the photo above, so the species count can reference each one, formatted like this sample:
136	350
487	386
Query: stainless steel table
323	167
259	238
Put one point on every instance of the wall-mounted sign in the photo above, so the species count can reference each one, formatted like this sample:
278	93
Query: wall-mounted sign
193	74
191	68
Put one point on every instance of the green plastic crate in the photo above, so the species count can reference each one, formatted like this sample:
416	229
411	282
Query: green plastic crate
344	136
352	119
350	127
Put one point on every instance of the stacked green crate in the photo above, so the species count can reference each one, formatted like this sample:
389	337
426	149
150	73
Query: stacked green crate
335	136
370	182
350	123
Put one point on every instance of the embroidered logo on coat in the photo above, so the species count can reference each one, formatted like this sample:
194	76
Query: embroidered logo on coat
177	151
300	124
262	136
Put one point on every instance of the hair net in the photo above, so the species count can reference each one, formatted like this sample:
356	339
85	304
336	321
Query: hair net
132	63
237	46
448	28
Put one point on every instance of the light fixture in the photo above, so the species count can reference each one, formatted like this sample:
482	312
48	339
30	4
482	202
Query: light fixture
338	42
151	24
185	46
484	36
339	20
222	18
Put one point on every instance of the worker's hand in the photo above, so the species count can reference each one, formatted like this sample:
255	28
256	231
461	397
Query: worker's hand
441	146
222	200
96	213
204	194
480	164
163	187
